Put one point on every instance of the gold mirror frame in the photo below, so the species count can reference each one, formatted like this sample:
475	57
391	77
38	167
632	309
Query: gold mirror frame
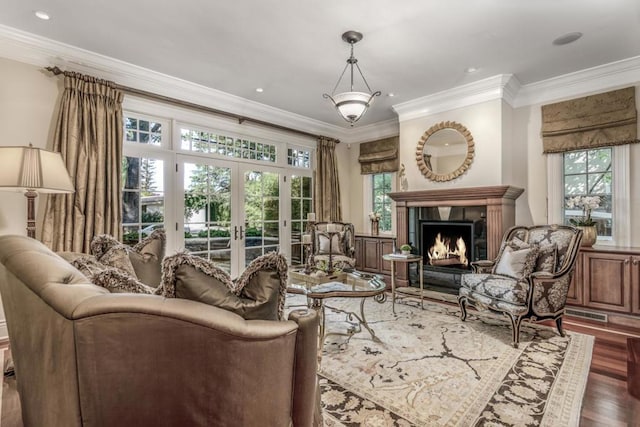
426	171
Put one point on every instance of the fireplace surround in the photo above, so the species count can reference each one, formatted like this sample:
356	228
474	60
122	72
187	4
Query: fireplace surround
495	205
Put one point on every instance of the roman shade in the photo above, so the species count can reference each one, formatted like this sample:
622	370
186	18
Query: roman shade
593	121
379	156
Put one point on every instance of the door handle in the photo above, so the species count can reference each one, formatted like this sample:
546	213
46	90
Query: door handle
241	232
235	232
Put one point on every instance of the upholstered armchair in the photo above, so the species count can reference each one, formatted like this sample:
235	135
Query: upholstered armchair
528	280
342	249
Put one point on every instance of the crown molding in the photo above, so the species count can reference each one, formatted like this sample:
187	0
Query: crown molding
372	132
39	51
502	86
579	83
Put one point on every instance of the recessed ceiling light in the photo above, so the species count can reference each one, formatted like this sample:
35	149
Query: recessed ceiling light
470	70
567	38
391	94
259	90
42	15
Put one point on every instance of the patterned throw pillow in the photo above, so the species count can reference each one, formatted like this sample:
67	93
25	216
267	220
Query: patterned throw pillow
143	261
88	265
517	263
116	281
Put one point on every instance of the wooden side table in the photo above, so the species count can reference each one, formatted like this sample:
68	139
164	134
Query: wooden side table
393	259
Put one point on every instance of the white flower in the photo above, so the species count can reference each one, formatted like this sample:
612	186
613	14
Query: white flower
587	204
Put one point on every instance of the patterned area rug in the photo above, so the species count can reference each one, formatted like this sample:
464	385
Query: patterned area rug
431	369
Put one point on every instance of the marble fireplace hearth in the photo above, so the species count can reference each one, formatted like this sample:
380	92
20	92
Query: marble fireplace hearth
496	202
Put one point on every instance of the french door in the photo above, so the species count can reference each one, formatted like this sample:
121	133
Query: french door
232	210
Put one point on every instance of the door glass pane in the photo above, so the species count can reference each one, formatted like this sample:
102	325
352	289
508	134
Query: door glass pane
142	197
207	212
300	207
262	213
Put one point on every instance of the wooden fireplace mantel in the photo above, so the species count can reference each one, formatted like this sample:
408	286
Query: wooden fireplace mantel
500	202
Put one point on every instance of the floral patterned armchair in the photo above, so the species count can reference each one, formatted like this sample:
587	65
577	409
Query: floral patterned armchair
528	280
342	245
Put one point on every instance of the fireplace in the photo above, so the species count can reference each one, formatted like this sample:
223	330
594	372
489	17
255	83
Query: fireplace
498	203
448	244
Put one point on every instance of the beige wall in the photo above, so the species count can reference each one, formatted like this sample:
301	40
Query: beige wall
28	98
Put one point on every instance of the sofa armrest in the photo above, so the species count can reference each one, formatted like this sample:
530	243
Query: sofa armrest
306	398
144	359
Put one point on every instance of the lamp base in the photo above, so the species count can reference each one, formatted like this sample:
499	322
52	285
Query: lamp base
31	213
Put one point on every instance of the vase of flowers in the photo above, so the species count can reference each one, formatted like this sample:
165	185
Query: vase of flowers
374	217
585	222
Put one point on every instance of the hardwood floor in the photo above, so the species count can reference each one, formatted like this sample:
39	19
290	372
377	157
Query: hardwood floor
606	403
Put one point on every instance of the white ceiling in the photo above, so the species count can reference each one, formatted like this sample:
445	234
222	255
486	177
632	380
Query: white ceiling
293	48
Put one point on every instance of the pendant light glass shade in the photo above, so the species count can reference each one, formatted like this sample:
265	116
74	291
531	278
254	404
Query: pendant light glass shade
352	105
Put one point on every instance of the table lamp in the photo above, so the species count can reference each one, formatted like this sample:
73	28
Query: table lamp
33	170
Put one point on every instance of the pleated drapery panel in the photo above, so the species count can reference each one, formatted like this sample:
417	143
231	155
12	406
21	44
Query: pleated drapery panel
89	136
327	185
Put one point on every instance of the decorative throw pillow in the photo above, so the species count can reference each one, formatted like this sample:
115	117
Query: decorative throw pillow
88	265
116	281
187	276
336	244
517	263
146	258
265	281
257	294
515	244
118	257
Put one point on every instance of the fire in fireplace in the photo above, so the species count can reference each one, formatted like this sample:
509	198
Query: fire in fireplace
447	243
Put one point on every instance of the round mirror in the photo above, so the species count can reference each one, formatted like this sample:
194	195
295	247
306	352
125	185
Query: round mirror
445	151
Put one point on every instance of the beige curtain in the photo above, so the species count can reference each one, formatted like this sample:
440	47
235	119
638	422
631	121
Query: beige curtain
600	120
379	156
327	194
89	136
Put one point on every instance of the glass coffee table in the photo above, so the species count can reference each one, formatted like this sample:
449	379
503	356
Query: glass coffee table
351	284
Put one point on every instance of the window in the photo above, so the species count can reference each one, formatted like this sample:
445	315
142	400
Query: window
590	173
207	142
142	131
381	202
299	158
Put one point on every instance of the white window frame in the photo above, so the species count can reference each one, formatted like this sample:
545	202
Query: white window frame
367	192
175	117
620	209
161	152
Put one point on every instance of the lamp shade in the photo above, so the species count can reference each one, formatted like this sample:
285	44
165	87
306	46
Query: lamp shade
353	105
29	168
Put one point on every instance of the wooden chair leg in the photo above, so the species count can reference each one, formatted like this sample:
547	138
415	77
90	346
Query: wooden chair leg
462	302
515	331
559	326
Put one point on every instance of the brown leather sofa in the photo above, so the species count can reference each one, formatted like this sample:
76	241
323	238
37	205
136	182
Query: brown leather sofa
86	357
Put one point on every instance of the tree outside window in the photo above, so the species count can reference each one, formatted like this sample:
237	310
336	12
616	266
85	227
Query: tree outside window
381	187
589	173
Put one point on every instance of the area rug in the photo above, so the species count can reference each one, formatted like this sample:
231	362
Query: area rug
432	369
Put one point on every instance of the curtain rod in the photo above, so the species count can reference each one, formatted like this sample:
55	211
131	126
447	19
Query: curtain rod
157	97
